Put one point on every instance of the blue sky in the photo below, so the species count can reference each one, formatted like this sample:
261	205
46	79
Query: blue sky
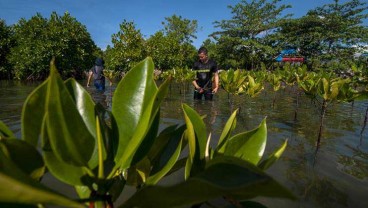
102	18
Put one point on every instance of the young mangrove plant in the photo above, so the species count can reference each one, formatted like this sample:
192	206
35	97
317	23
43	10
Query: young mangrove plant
253	87
274	79
101	152
232	81
183	76
333	90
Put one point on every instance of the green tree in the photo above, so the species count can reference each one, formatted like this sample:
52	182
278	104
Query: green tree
181	32
156	48
39	39
128	48
183	29
168	53
6	43
328	32
244	34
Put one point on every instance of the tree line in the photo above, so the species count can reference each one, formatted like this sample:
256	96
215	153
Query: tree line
257	31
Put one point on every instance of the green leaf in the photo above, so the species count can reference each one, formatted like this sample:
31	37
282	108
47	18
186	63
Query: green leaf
135	93
17	187
160	142
226	132
100	148
29	161
196	124
83	191
148	141
197	139
264	165
5	131
164	146
84	104
224	176
87	109
33	113
65	172
155	123
110	137
249	145
168	157
69	137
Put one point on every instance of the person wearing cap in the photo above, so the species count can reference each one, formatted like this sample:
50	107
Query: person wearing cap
96	72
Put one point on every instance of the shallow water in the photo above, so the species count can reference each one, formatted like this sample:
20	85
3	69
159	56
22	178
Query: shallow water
334	176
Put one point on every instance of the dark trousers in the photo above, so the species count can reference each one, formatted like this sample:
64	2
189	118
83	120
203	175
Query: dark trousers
99	84
207	94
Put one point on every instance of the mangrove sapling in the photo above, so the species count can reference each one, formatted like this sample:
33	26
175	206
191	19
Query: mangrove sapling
364	122
233	83
297	95
300	75
65	132
183	76
333	90
274	79
111	76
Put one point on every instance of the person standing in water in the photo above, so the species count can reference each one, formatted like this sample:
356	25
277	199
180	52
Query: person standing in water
207	71
96	72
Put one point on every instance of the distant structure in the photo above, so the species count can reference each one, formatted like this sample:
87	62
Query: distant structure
289	55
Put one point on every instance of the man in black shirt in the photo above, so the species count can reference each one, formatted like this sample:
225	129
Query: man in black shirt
207	71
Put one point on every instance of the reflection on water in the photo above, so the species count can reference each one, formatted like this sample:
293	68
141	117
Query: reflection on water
335	176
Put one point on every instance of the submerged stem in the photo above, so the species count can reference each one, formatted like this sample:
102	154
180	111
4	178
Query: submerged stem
323	112
365	122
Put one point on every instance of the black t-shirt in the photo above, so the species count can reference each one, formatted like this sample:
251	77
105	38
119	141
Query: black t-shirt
204	72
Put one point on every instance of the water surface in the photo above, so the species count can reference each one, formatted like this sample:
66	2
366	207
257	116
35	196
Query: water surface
334	176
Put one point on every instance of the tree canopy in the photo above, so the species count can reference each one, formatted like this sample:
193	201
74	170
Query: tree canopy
257	31
128	48
6	43
243	35
39	39
328	32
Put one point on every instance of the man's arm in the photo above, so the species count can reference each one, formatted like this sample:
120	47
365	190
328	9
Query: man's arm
109	81
216	80
89	78
196	85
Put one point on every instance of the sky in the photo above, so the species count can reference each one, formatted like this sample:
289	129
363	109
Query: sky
103	17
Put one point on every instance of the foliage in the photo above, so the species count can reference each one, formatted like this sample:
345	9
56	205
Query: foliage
183	29
100	156
39	39
328	32
6	43
111	74
168	53
232	81
127	49
157	48
181	32
242	35
253	87
180	75
169	48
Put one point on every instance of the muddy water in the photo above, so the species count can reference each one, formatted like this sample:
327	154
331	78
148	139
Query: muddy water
335	175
